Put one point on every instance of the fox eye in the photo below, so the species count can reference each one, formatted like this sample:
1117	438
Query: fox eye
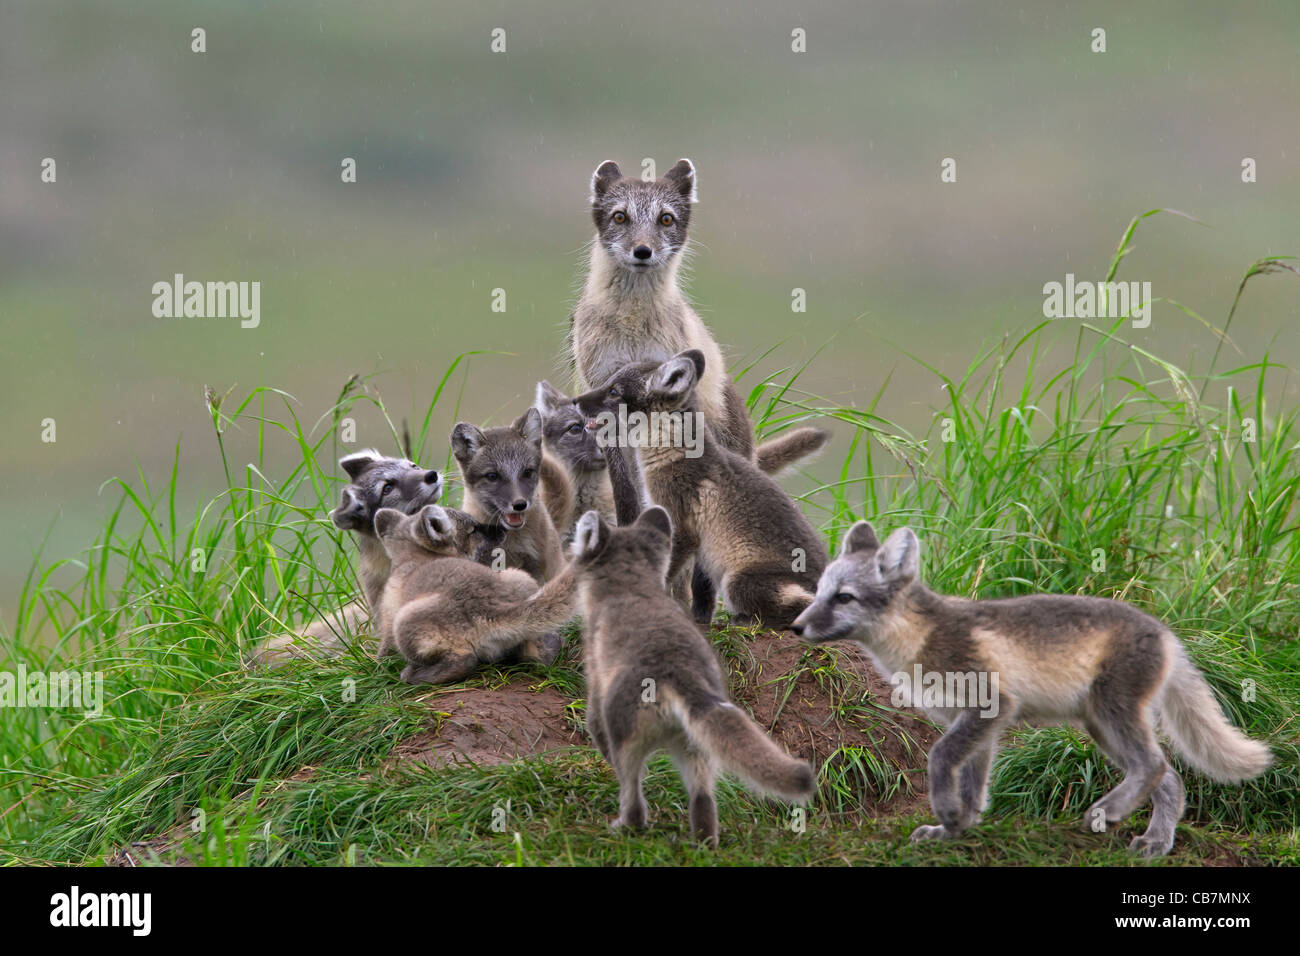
388	488
615	392
575	428
620	217
666	219
528	474
844	597
492	476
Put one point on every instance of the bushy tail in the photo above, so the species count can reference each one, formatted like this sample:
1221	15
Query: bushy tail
323	638
1200	731
788	448
740	746
549	607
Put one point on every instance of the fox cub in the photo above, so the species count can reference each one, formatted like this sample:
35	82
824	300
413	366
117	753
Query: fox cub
446	614
735	522
654	682
591	467
505	472
375	481
1042	658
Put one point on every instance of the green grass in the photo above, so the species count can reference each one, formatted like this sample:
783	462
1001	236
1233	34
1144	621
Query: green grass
1065	458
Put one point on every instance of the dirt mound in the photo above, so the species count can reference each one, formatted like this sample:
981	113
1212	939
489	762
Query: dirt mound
820	705
476	725
831	705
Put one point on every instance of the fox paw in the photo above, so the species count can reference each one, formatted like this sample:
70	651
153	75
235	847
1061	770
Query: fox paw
549	647
1150	847
930	833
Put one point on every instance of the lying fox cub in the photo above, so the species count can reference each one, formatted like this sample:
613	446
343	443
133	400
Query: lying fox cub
654	682
446	613
1048	658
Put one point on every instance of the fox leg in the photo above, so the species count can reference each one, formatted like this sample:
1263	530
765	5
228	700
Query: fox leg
596	727
971	737
1167	805
974	784
1129	741
631	770
446	670
698	773
541	649
704	597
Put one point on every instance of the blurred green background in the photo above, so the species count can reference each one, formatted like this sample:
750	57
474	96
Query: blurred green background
817	170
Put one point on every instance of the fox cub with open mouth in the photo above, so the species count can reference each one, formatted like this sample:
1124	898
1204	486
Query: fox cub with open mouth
654	682
1056	658
446	613
506	474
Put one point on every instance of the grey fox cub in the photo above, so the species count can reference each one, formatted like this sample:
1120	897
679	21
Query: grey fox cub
1042	658
574	445
505	472
376	481
741	528
654	682
446	614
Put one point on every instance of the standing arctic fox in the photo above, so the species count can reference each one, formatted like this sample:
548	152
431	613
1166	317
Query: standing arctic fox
1055	659
446	614
376	481
632	308
654	682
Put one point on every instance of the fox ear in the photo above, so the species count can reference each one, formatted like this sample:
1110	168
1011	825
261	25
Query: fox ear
357	462
606	174
529	424
900	556
436	522
682	175
350	515
466	439
386	521
548	398
590	535
656	518
860	537
676	377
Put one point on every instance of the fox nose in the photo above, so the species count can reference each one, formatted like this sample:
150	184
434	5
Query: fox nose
797	629
521	504
643	252
430	477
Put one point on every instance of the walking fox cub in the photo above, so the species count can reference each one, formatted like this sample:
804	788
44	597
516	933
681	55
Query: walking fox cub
446	614
1049	659
654	682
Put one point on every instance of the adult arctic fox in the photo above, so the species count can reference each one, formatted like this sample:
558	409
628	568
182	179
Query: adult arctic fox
632	307
1056	659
